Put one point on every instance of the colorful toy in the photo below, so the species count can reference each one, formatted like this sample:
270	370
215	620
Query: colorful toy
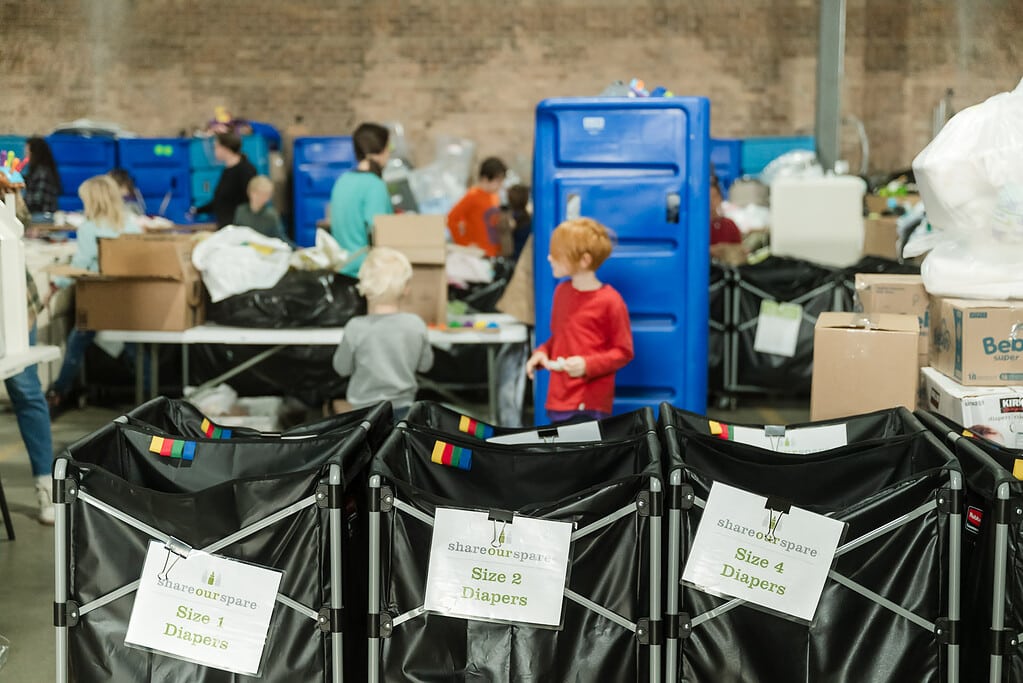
11	169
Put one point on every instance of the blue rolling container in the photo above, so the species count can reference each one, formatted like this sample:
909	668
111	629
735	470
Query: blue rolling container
318	162
79	158
12	143
759	152
638	166
200	154
726	161
161	172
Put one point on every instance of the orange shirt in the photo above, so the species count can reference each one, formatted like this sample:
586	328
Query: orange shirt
470	217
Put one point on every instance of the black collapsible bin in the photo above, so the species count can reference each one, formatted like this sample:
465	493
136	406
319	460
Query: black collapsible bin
890	608
295	504
609	489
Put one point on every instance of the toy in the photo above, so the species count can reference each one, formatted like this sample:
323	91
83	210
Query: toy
557	365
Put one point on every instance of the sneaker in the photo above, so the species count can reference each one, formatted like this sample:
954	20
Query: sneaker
44	485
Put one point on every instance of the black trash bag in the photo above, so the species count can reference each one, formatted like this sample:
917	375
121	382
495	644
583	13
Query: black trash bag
780	279
319	298
719	291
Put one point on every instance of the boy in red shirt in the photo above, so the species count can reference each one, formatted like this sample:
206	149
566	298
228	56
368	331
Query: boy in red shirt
591	338
480	207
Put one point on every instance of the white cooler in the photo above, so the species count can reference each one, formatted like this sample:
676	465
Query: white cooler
818	219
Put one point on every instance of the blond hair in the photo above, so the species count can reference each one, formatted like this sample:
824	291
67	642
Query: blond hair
384	274
260	182
574	238
103	202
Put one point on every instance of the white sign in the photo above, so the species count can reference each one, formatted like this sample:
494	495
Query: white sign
800	441
778	328
746	550
202	608
572	433
497	571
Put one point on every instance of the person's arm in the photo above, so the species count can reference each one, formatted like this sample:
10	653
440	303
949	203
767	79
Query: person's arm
619	352
344	356
87	250
378	203
425	355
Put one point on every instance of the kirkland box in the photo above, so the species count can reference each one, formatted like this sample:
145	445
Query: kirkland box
862	364
902	294
421	239
995	413
146	282
976	342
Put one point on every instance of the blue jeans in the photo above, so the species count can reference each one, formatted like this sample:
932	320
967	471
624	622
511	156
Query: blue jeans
33	416
78	343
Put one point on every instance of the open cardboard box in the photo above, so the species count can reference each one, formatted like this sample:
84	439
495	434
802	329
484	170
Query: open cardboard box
146	282
421	239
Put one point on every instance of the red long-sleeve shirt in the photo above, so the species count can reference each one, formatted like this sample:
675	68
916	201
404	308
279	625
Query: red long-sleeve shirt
594	325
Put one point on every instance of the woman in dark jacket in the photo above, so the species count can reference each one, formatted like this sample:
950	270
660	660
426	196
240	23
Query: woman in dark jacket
42	181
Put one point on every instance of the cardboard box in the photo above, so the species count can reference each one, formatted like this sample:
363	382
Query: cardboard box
900	294
863	364
146	282
421	239
880	237
995	413
977	342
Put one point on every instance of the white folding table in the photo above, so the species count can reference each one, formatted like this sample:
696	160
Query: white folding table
13	364
509	331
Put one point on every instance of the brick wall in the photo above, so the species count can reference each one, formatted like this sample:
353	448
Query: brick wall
478	67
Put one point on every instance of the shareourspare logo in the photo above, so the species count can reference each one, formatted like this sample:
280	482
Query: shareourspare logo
1012	405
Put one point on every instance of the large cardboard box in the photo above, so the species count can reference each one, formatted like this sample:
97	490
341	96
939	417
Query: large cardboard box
146	282
862	364
900	294
880	237
421	239
995	413
977	342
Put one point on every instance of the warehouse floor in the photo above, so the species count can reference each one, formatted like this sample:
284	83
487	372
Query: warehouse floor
26	564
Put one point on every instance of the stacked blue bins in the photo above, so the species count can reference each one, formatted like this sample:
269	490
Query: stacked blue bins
638	166
12	143
206	170
79	158
159	167
759	152
726	162
318	162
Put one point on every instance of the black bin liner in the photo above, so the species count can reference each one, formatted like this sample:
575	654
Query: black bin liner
317	298
780	279
719	291
230	484
577	482
986	467
891	466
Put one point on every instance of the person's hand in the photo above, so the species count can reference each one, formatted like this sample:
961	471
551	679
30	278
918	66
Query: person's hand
539	358
575	366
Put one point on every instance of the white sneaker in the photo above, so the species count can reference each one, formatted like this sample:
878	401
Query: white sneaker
44	486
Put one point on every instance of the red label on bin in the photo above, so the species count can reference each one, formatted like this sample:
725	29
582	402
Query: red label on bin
974	516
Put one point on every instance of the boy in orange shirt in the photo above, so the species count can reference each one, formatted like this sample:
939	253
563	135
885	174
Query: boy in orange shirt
479	208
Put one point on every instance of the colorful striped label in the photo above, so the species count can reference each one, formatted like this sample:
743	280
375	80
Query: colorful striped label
719	430
172	448
475	428
451	455
214	432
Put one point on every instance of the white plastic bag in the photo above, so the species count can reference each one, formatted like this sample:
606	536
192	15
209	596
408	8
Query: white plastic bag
234	260
326	255
971	180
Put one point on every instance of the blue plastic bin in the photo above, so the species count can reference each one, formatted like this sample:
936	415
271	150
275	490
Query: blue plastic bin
638	166
726	161
318	163
759	152
79	158
12	143
160	169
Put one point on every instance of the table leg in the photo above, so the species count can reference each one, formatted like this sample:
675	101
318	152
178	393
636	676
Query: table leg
184	368
154	370
492	381
140	374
